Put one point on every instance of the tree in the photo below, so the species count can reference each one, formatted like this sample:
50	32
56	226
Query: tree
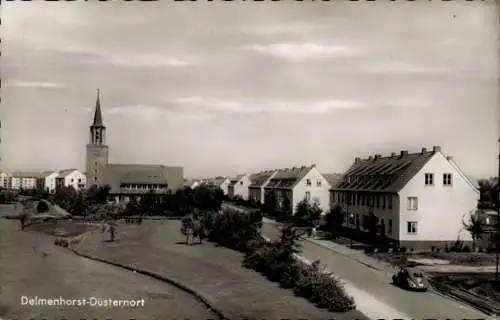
475	227
307	214
371	223
42	206
335	218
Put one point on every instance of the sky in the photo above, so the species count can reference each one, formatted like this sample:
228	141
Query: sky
222	88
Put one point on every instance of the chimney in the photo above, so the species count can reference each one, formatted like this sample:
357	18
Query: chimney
403	153
357	160
436	149
424	150
449	158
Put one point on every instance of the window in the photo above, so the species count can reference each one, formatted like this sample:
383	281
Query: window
95	179
429	179
389	202
72	180
383	202
377	202
80	180
389	229
241	182
411	226
95	163
412	203
318	183
447	179
308	182
308	196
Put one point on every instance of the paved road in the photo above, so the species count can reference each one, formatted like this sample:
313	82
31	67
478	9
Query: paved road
30	265
378	284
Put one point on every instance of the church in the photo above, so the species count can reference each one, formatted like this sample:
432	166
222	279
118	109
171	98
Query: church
127	181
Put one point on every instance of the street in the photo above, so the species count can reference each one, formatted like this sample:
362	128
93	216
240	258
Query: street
31	266
378	285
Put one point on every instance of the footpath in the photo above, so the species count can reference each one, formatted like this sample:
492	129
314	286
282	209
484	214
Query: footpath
213	273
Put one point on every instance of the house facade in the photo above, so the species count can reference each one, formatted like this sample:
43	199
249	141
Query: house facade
256	190
419	199
290	186
127	181
71	178
47	181
5	180
24	180
238	187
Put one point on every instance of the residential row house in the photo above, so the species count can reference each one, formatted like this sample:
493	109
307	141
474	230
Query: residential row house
43	181
290	186
419	199
220	182
238	186
256	190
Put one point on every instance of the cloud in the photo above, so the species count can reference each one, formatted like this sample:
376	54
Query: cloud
279	29
133	111
34	84
146	60
402	67
298	52
210	105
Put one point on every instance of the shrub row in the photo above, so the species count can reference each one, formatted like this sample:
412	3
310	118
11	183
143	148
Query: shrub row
276	260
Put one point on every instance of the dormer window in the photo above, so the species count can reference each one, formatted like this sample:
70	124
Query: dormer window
308	182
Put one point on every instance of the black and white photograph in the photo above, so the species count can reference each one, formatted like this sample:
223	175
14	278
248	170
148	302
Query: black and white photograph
257	160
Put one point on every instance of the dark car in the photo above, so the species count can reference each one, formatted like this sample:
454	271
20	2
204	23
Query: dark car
410	280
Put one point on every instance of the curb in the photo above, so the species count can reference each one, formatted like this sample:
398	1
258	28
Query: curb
179	285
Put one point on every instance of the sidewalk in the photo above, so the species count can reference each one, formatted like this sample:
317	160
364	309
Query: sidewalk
215	273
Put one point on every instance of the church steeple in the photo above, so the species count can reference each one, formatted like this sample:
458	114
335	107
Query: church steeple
97	129
98	114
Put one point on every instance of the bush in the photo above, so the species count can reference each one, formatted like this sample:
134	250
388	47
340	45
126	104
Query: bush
42	207
466	249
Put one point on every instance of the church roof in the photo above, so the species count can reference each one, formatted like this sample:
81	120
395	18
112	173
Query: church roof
117	174
98	114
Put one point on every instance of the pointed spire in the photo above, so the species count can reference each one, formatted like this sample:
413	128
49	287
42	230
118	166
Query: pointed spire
98	114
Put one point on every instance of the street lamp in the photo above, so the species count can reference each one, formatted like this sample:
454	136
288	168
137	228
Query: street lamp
351	218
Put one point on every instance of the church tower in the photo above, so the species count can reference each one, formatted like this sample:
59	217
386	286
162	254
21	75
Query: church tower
97	150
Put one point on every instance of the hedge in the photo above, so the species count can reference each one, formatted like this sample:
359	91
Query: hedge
276	260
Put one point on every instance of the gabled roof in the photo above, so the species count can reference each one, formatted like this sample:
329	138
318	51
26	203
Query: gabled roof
234	180
117	174
24	174
260	179
288	178
387	174
66	172
45	174
333	178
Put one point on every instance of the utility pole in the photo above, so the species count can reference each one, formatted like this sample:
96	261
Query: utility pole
497	236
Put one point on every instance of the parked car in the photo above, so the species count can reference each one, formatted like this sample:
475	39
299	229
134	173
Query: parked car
410	280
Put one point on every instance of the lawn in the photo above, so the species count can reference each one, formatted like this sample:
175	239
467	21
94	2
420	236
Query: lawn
31	265
215	272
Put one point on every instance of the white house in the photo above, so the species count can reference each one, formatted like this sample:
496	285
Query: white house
290	186
238	187
71	177
419	199
24	180
48	182
258	185
5	180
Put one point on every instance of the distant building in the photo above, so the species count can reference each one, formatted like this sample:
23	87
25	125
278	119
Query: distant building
5	180
191	183
127	181
292	185
238	187
71	178
222	183
24	180
47	181
419	199
260	181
